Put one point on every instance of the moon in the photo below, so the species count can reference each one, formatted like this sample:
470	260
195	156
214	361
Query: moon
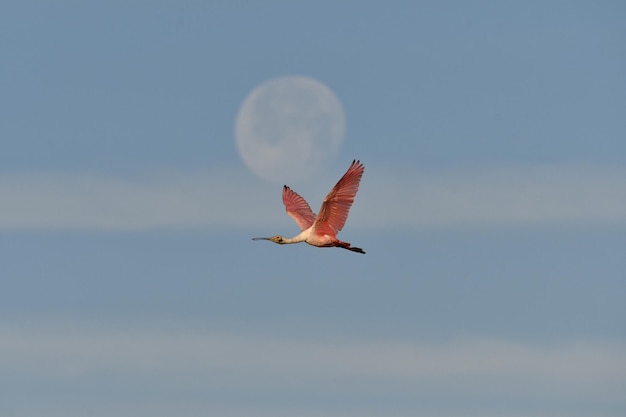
289	128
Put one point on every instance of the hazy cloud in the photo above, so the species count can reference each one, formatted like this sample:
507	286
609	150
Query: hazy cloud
388	198
481	367
500	196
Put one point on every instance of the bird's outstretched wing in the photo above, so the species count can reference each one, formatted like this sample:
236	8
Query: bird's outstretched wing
297	208
336	205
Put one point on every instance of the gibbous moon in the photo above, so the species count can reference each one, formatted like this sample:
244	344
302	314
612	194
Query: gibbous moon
289	128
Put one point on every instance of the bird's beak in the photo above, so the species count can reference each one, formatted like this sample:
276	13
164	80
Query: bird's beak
260	238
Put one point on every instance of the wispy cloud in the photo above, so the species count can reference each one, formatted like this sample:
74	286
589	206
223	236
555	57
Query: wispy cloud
497	196
593	372
388	198
72	351
95	202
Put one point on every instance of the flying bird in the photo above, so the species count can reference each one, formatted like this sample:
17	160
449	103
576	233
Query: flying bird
321	230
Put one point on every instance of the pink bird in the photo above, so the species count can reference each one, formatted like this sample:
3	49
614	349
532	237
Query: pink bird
321	230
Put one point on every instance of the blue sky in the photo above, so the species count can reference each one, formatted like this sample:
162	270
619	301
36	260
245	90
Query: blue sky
492	210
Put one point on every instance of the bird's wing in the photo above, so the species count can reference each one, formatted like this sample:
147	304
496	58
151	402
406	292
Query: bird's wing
336	205
297	208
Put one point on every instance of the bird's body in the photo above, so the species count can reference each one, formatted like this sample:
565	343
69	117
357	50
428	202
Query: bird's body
321	229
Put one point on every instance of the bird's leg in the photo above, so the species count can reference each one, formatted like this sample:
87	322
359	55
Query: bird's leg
346	245
353	249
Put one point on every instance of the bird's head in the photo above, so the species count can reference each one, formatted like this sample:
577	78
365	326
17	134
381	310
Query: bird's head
275	239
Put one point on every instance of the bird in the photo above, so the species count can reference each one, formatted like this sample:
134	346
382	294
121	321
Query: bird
321	230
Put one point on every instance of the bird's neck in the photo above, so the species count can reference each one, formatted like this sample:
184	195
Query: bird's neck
296	239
